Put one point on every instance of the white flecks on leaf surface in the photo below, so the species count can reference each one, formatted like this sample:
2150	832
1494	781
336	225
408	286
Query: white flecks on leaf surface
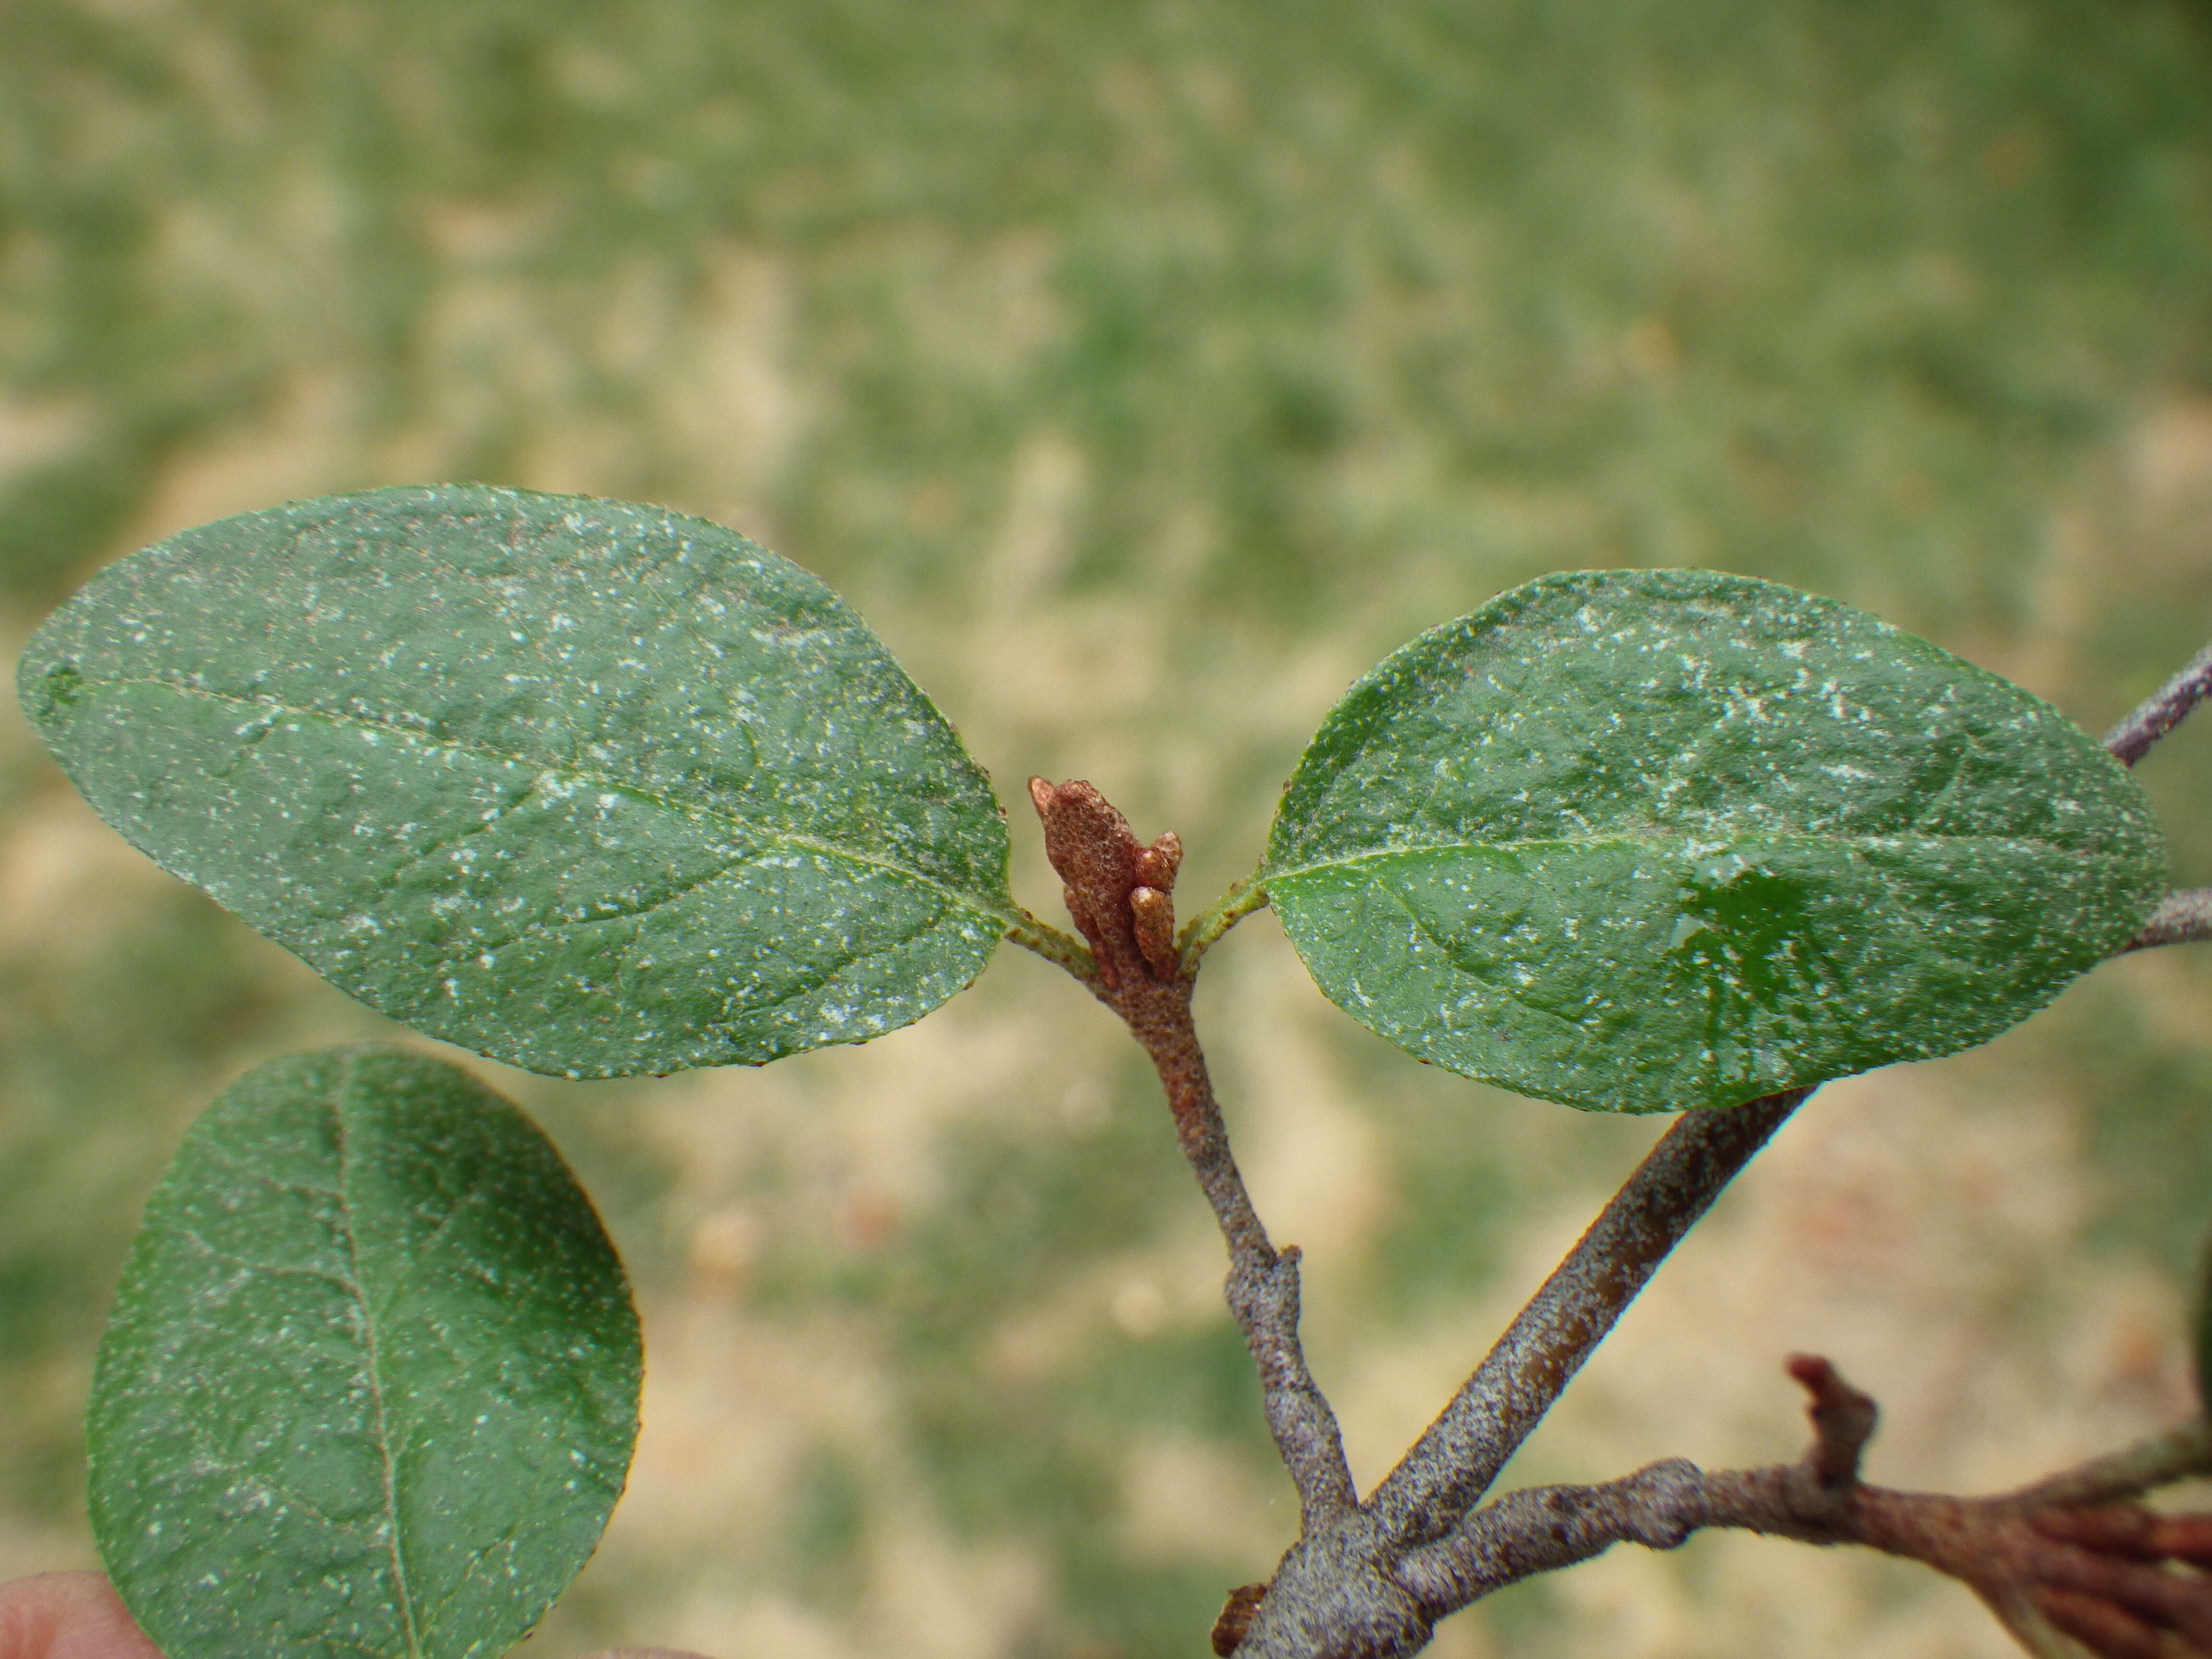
741	815
275	1449
1858	849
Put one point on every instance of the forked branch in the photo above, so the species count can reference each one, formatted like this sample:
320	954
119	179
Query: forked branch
1119	893
1455	1460
2060	1557
2068	1561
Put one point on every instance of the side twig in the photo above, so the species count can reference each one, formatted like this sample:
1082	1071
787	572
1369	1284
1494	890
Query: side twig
2160	711
1199	933
2131	1472
1339	1589
2054	1567
1034	934
2182	917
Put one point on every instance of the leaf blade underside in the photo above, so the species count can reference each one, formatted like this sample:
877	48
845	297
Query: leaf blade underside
1639	841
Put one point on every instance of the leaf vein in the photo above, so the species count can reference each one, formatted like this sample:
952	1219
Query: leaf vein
777	835
382	1432
1664	844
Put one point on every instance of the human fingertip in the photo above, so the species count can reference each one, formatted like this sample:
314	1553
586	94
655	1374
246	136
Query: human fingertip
67	1615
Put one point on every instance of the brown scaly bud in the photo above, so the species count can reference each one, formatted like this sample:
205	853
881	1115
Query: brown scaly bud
1156	864
1237	1614
1153	913
1117	887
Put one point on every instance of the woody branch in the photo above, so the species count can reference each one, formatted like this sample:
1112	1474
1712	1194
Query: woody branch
2066	1561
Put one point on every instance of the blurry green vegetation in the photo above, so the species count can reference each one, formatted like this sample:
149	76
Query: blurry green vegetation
1228	344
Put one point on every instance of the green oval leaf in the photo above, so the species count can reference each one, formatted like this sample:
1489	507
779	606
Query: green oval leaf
370	1385
592	788
1642	840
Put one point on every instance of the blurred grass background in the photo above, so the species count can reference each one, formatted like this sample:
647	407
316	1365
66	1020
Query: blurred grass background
1145	372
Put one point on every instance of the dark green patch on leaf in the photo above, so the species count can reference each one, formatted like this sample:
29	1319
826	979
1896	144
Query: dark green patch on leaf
592	788
371	1382
1645	840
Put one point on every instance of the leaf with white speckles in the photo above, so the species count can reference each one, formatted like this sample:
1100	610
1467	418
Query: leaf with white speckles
594	789
1645	839
370	1385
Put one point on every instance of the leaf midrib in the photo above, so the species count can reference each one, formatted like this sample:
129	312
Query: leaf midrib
1656	843
777	836
373	1362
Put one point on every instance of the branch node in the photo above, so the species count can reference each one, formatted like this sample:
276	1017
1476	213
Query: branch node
1661	1507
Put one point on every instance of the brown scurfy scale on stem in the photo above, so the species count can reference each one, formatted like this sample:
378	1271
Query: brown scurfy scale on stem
1118	890
1236	1619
